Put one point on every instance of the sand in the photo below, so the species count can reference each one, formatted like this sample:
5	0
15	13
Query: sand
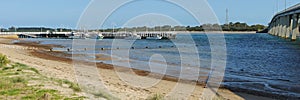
52	64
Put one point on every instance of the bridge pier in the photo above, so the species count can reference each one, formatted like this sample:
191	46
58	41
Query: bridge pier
273	32
277	30
295	28
273	27
279	27
289	27
283	27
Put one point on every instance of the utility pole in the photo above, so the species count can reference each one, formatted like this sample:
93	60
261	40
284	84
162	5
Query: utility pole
227	19
277	6
227	16
113	29
285	5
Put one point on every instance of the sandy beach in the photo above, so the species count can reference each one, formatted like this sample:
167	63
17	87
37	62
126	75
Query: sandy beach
55	64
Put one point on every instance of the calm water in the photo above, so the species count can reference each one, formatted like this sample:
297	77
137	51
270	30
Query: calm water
255	62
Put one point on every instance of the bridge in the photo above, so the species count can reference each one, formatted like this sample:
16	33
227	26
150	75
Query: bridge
286	23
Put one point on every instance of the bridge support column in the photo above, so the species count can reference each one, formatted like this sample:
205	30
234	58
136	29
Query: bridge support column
285	26
273	27
295	28
272	30
277	27
281	25
289	27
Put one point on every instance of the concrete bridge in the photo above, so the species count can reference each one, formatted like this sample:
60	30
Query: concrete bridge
286	23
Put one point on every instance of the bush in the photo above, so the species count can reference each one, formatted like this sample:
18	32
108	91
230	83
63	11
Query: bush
3	60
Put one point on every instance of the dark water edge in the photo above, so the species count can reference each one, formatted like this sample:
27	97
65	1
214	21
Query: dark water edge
258	64
264	65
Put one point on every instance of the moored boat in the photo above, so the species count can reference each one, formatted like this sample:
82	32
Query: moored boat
157	37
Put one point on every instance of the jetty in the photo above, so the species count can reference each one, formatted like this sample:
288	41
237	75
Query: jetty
107	35
144	35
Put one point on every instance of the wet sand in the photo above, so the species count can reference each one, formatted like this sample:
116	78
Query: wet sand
58	65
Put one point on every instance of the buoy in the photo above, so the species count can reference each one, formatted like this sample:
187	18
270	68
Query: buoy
159	46
132	47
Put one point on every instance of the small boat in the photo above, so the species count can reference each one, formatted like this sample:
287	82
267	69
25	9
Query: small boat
75	36
93	36
157	37
100	36
133	37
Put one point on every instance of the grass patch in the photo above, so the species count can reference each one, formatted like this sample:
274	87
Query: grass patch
34	70
21	67
3	60
75	87
43	94
71	85
14	79
10	92
7	68
17	80
105	95
14	83
156	97
77	98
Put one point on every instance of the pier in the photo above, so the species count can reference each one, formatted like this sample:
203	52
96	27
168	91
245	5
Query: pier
286	23
144	35
107	35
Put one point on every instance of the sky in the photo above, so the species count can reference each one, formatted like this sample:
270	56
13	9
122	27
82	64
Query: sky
66	13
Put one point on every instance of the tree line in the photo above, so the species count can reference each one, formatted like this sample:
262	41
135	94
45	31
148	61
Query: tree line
211	27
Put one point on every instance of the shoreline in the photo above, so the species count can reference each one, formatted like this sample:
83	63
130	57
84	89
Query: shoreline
218	32
54	56
64	57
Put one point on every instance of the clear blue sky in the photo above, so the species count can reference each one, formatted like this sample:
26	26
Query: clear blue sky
65	13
